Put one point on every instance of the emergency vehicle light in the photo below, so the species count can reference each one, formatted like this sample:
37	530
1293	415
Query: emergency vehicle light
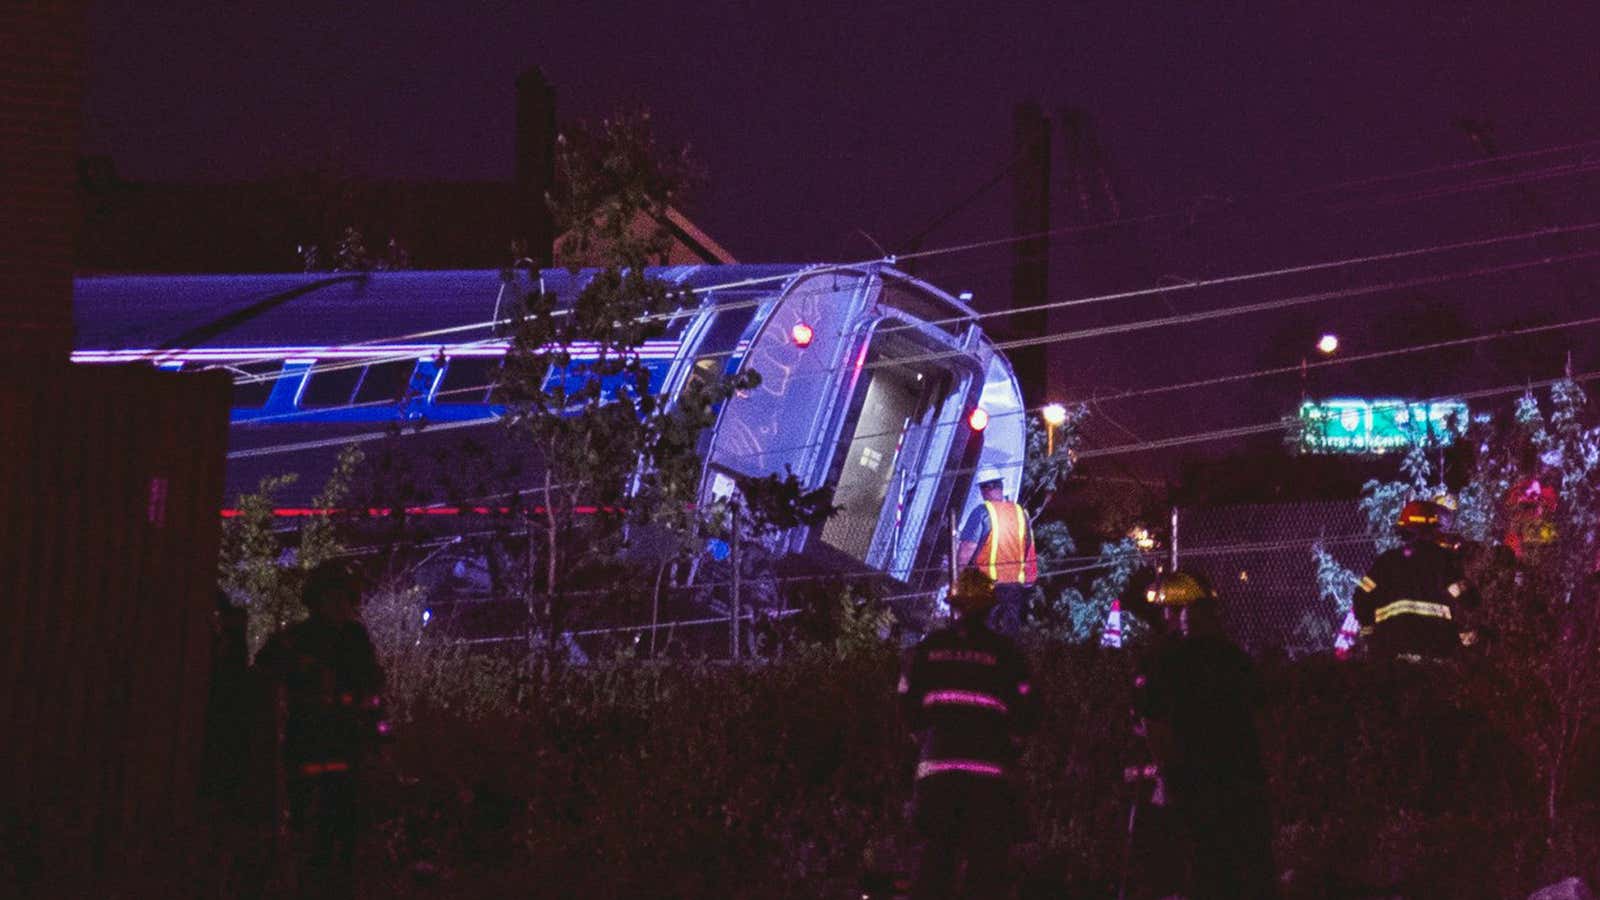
802	334
978	419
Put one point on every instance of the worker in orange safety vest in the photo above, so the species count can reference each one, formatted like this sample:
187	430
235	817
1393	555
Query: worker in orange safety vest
997	540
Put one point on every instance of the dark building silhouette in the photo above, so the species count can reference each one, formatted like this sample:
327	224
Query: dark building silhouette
293	222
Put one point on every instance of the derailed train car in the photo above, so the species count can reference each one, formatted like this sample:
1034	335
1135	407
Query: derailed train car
873	382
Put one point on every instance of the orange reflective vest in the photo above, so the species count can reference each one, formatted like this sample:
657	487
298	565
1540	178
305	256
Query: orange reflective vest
1006	555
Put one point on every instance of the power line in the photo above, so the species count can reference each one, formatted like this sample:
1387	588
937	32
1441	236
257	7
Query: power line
1519	178
1067	565
1186	212
1201	437
1220	281
1343	359
1187	318
1249	430
1458	166
1128	394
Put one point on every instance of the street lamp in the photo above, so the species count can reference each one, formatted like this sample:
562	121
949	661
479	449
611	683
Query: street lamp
1055	415
1142	538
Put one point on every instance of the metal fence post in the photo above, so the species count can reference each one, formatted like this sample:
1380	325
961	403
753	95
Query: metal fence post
733	603
1173	543
954	546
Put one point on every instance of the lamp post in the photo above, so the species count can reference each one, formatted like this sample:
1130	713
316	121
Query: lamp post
1055	415
1327	345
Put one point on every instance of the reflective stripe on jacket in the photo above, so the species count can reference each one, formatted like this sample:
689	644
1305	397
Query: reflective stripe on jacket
966	690
1007	554
1413	599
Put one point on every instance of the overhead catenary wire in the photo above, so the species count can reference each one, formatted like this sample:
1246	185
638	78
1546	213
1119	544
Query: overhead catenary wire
1510	180
1200	437
1346	359
1095	565
1190	318
1213	435
976	245
1113	397
1264	306
1066	565
1219	281
1186	318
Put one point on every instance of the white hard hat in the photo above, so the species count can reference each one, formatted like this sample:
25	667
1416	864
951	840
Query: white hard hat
988	474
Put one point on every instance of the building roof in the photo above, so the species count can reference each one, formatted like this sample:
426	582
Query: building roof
267	225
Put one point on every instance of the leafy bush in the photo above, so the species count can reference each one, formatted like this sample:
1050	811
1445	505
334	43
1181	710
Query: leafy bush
785	779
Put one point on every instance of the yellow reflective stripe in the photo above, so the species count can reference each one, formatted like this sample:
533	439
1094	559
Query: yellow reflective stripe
1368	585
994	542
1022	544
1412	608
1367	630
1455	589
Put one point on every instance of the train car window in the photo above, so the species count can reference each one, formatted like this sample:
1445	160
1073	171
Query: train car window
251	384
386	382
681	320
924	307
725	330
468	379
330	386
716	346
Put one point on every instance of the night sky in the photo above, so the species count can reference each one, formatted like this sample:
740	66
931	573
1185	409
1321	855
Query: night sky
824	120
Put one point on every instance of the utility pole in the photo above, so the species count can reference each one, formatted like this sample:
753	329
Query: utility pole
1030	266
535	163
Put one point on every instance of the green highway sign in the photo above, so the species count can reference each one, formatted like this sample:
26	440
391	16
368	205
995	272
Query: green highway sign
1348	425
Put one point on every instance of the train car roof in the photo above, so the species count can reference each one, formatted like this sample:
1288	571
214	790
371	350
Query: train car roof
127	312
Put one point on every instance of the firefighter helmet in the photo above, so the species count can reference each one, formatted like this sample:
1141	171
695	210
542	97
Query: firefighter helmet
1178	589
974	592
1418	514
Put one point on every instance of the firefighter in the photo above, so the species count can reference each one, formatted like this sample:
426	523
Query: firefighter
1530	525
1154	843
966	695
326	681
226	752
997	540
1411	603
1198	695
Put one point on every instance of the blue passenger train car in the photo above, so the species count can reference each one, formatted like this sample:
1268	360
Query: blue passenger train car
873	382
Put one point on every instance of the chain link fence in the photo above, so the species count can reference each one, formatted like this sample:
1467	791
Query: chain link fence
1261	561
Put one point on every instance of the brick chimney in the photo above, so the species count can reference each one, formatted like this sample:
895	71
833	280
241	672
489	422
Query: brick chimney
536	162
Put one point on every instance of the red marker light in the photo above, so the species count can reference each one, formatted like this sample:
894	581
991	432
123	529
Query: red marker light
802	334
978	420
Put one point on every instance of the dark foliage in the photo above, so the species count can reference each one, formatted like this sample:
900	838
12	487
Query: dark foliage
789	779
